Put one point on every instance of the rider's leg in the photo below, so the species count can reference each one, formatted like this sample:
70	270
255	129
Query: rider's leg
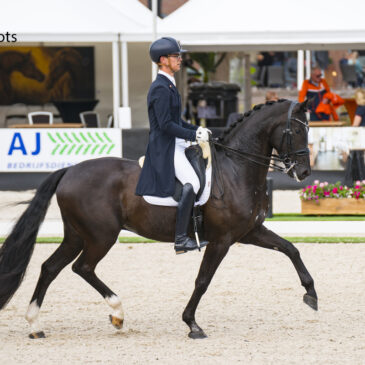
186	174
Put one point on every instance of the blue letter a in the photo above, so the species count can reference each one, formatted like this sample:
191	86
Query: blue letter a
17	137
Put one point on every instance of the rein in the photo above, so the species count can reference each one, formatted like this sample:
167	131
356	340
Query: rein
285	158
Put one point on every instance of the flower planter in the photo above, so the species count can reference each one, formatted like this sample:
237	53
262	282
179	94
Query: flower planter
334	206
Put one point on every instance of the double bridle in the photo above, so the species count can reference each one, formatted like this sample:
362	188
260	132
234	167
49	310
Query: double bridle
272	160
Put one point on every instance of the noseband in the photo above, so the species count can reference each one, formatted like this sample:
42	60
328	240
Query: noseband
286	158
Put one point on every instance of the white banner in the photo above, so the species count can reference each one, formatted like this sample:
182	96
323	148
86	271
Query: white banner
54	148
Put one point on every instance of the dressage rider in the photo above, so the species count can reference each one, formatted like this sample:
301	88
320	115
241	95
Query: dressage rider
169	136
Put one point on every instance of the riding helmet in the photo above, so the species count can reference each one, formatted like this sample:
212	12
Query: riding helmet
163	47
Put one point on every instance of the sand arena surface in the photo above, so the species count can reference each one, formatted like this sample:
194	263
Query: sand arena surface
252	312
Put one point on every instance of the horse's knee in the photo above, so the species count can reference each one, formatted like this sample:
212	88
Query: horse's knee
81	269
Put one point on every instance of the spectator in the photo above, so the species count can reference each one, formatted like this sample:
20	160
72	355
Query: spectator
271	96
359	119
314	89
264	59
353	59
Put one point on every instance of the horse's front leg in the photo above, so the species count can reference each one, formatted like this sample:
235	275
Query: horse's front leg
213	256
263	237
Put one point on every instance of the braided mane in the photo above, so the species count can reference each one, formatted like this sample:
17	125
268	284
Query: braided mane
245	116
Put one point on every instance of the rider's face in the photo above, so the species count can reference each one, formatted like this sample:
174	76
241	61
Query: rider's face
172	62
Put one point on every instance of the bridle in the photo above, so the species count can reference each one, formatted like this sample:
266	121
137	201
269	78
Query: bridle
288	158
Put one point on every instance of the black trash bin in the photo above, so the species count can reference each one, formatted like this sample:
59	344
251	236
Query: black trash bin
220	100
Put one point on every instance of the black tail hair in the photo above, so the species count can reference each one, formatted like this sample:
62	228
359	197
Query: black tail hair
17	249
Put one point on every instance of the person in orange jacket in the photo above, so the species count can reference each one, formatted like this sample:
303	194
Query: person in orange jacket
314	89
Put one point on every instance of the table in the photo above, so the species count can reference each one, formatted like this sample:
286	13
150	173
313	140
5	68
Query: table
44	125
327	124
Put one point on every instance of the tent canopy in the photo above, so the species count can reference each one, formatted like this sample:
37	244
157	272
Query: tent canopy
76	20
272	25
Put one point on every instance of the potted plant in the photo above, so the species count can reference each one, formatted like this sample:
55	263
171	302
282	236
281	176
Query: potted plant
325	198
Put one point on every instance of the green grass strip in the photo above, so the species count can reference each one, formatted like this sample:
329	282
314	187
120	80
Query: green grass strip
102	149
291	239
55	149
87	148
300	217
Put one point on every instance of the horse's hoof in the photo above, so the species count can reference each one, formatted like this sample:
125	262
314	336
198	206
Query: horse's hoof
197	335
116	322
35	335
311	301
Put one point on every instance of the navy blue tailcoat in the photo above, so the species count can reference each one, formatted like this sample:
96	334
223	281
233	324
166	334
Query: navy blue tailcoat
164	112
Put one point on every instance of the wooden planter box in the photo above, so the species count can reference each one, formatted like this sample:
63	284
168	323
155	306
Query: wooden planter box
334	206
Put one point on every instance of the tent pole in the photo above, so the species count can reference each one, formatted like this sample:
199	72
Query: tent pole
247	84
125	89
116	80
300	69
307	64
154	34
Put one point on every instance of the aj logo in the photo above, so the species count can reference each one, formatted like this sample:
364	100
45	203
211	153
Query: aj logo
17	144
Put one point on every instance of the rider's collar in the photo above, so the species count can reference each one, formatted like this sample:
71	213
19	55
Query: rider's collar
171	78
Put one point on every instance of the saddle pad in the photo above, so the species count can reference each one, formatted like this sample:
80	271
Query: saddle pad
170	202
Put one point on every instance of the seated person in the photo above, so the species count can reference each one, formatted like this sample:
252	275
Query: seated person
359	119
271	96
314	89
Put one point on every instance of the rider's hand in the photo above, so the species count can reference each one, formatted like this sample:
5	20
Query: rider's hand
202	134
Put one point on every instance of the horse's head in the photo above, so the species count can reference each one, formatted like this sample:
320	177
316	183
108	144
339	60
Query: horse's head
28	68
290	138
65	60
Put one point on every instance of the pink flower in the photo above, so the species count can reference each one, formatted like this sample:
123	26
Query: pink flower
341	187
358	182
304	190
326	193
316	182
321	185
357	187
314	188
335	191
357	194
325	183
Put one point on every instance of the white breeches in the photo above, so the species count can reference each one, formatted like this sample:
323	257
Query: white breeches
184	172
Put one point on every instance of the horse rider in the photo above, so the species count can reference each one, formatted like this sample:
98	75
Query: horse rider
169	135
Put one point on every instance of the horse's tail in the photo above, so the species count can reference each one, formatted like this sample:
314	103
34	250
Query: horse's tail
17	249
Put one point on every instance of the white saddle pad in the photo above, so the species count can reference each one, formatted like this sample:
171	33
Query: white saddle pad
170	202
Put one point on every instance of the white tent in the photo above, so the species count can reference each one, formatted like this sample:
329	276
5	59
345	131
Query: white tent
281	25
82	21
266	24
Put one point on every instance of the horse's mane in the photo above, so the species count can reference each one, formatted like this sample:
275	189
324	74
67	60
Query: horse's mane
245	116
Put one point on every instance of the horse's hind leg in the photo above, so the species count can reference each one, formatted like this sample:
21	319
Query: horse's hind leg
85	267
265	238
70	247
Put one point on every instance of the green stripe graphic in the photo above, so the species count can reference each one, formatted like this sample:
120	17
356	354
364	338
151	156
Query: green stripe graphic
93	143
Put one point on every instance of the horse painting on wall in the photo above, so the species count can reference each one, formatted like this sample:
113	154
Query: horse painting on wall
38	75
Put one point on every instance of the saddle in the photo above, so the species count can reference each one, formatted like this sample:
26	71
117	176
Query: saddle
199	156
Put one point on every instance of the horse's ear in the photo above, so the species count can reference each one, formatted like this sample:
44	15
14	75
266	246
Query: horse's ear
28	54
306	104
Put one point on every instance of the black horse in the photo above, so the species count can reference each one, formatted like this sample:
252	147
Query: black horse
97	200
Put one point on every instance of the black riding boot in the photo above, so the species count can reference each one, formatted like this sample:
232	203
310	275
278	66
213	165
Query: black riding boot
183	242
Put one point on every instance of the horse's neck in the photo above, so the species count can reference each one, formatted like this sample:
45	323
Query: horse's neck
252	138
